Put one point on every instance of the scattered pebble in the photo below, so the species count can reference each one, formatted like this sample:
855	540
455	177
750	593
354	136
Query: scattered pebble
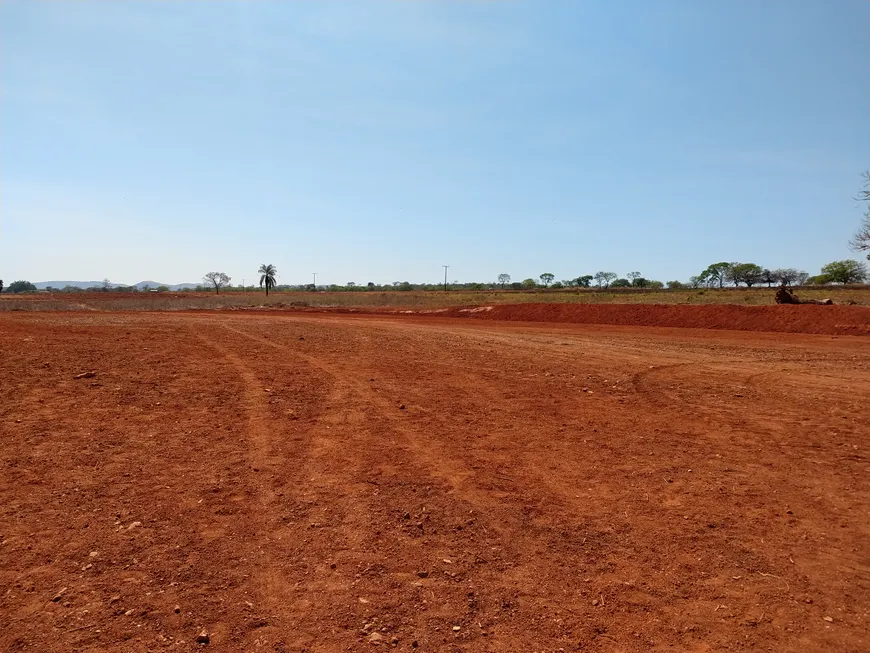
203	638
828	618
85	375
456	629
59	595
423	574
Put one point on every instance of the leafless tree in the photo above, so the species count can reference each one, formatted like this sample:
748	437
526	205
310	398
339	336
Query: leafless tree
861	240
217	279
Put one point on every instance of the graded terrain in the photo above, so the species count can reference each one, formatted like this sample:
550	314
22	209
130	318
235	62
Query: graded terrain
303	482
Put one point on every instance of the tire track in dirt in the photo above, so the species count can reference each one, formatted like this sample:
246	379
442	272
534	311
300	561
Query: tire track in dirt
289	572
509	510
259	431
504	520
343	455
450	469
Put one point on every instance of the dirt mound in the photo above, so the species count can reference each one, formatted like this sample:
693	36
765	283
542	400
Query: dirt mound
832	320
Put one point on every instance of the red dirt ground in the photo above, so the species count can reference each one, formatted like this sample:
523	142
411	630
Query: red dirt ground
832	320
299	482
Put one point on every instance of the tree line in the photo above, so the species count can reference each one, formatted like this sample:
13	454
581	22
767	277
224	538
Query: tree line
716	275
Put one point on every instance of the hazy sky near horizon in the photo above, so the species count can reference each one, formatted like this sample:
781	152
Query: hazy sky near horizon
376	141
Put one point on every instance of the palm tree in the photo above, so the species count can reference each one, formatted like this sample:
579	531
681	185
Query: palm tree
267	276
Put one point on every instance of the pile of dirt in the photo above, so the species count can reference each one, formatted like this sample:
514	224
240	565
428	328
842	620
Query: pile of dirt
832	320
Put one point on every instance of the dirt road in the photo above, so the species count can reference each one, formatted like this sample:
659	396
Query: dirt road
326	483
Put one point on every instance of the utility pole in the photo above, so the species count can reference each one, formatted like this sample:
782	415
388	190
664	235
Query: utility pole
315	280
243	284
445	275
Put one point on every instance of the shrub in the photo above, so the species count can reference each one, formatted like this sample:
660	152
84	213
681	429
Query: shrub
21	286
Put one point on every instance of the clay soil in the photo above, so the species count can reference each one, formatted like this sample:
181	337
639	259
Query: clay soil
301	482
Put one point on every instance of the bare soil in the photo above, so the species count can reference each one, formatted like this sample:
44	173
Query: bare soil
302	482
833	320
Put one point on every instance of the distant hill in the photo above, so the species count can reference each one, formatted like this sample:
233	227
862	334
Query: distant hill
154	284
98	284
41	285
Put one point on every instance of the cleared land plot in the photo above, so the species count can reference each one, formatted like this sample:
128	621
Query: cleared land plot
310	482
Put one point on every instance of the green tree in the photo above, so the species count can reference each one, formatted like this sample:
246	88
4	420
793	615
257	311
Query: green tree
21	286
621	283
504	279
748	273
547	278
632	276
675	285
584	282
217	279
267	273
604	279
715	274
768	277
848	271
529	283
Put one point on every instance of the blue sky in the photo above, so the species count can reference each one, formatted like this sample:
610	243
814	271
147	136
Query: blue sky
376	141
